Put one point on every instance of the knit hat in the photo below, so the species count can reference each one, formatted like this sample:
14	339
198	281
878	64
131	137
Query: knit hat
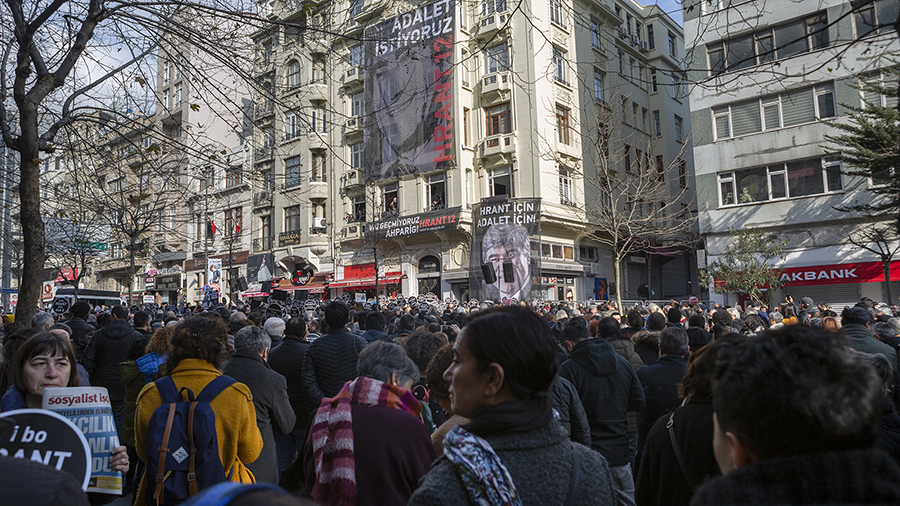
809	302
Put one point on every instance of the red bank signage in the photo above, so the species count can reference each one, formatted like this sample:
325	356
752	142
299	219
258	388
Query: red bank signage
864	272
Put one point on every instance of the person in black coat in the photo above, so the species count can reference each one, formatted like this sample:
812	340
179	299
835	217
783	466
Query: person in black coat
107	349
660	381
698	335
270	397
81	329
330	361
569	411
660	479
287	360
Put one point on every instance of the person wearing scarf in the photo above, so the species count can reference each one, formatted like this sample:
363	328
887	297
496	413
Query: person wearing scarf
504	364
367	445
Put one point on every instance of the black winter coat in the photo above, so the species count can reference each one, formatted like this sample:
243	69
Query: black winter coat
330	362
108	348
660	383
287	360
273	409
80	332
608	388
570	413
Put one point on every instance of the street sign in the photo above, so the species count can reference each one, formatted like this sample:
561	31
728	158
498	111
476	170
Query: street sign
60	305
99	246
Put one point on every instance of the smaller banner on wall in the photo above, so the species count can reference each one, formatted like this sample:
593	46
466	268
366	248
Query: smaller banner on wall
260	268
415	224
214	275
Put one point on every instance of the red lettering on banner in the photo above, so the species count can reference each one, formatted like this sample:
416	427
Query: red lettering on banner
443	83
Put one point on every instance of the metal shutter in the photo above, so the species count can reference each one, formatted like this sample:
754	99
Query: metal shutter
836	296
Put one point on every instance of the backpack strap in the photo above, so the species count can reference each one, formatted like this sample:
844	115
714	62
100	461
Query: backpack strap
163	450
192	476
214	388
576	478
677	449
167	390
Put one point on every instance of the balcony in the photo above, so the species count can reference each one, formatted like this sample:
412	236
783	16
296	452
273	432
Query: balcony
353	128
316	43
498	149
352	232
317	140
318	190
262	154
262	199
263	110
353	78
495	87
352	180
317	92
261	244
489	25
318	241
369	9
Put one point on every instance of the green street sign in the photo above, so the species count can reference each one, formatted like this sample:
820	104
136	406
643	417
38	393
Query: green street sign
101	246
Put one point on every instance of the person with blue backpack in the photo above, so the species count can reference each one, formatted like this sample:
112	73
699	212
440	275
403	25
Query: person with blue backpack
195	427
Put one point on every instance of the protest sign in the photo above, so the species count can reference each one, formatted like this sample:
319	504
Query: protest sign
43	436
89	409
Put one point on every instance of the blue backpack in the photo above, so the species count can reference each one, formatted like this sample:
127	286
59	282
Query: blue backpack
182	447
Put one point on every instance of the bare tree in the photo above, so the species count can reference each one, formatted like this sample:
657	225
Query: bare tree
881	239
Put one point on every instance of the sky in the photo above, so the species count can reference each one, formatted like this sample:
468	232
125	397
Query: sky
672	8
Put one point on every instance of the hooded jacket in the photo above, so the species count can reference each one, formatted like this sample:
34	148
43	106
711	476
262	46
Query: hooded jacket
569	411
287	361
625	347
108	348
81	331
646	344
608	388
372	335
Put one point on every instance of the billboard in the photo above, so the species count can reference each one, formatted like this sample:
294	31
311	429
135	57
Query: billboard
506	235
409	92
415	224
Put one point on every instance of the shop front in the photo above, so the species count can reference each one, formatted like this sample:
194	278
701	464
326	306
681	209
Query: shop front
361	281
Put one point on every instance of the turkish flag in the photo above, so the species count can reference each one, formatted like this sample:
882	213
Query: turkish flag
212	227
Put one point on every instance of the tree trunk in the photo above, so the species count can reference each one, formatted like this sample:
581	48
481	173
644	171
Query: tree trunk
617	274
131	276
886	264
30	217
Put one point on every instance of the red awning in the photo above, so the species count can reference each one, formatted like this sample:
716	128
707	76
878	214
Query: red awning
366	282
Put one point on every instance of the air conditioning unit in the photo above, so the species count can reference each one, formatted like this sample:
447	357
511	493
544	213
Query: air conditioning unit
623	32
643	46
593	268
318	222
634	39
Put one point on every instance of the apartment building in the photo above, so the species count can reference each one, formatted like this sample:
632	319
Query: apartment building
384	131
767	78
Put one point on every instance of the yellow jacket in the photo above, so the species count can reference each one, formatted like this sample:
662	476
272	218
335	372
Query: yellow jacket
239	439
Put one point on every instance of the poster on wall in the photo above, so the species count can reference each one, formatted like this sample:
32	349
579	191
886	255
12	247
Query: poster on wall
214	275
409	92
260	268
506	237
601	289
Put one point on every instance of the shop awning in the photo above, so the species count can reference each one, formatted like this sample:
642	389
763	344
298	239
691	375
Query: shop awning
367	282
254	294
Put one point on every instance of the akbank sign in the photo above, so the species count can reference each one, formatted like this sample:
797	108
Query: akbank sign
864	272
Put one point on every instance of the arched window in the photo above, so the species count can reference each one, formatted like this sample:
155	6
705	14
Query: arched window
293	74
429	264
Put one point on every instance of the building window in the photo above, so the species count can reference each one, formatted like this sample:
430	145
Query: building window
672	47
266	231
268	50
660	169
824	101
621	64
651	39
167	99
657	124
791	108
167	72
496	59
489	7
357	104
562	124
390	195
595	34
359	209
318	70
355	56
679	129
598	86
208	178
566	197
356	7
875	89
173	218
498	121
292	124
556	13
233	176
317	120
783	180
357	154
654	86
268	97
436	192
559	66
875	17
627	157
318	167
501	182
638	159
293	74
682	173
177	95
644	119
292	172
234	220
631	64
466	126
292	218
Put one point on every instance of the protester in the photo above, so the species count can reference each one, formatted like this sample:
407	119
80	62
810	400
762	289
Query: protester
193	363
440	390
504	365
287	361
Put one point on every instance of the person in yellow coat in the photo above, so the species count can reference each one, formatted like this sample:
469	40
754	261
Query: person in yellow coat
197	348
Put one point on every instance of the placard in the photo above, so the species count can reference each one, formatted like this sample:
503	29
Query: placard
88	408
46	437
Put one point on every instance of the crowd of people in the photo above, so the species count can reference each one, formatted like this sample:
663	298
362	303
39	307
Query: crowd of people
438	403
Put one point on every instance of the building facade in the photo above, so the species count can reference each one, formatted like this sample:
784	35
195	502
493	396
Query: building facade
768	77
519	98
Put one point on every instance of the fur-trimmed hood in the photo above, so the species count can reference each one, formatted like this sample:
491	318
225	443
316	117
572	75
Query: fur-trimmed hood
648	337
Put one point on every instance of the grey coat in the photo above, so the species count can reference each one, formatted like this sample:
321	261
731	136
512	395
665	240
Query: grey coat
273	409
531	458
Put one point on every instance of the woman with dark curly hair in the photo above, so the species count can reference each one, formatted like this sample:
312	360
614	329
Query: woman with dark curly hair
192	363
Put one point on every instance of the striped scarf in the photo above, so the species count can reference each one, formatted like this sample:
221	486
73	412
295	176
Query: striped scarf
332	435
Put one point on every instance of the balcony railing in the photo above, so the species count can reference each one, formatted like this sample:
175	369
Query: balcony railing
263	243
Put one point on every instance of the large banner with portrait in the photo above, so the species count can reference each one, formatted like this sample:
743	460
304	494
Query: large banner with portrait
409	92
506	237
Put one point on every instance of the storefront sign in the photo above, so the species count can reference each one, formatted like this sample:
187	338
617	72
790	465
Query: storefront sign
863	272
290	238
424	223
168	282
